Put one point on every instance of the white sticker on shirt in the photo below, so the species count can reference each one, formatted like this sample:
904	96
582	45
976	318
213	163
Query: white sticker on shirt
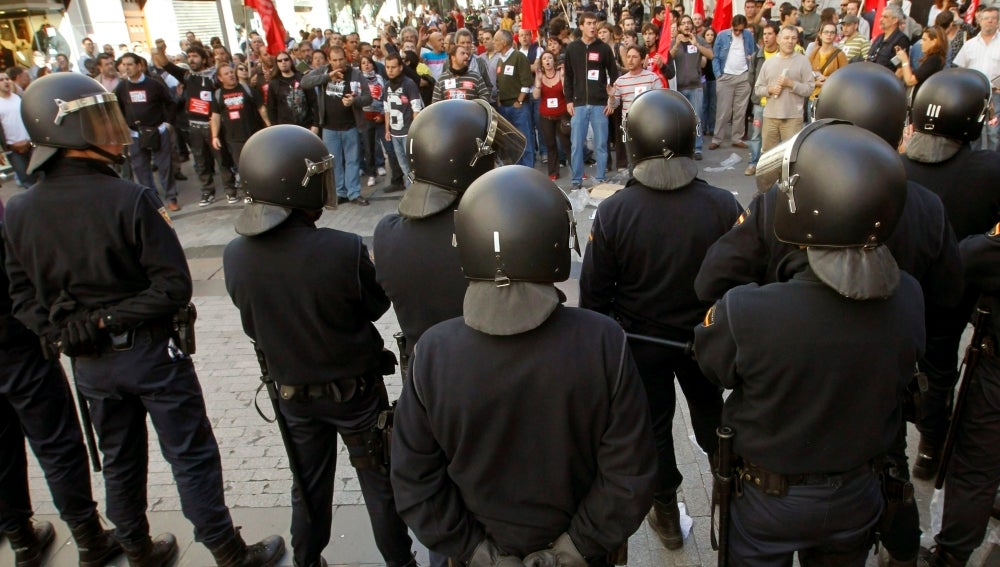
593	57
450	83
508	70
552	103
593	74
692	48
234	115
137	96
205	95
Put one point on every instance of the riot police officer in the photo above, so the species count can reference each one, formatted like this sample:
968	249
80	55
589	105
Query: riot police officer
316	334
974	468
947	116
553	387
816	361
104	287
645	247
923	244
416	261
35	403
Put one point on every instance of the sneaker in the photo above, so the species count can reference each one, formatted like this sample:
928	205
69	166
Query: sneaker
381	171
576	186
232	199
713	146
206	200
371	181
584	176
180	176
750	170
360	201
697	156
341	200
173	206
740	145
553	177
545	159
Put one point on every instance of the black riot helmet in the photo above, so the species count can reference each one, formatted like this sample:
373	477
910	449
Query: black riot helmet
660	124
840	186
72	111
867	95
282	168
951	103
450	144
514	224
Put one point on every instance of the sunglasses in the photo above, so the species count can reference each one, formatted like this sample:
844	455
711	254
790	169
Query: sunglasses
283	59
241	68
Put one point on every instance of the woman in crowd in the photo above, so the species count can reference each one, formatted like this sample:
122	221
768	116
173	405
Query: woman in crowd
552	110
457	81
707	109
826	58
956	30
374	125
934	46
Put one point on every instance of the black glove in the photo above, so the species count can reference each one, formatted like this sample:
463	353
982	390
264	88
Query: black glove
79	337
487	554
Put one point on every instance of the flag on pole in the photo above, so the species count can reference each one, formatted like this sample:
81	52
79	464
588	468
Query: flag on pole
663	48
531	15
877	28
274	31
970	12
699	7
723	17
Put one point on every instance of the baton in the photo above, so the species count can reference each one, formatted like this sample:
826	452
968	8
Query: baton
88	424
687	347
725	476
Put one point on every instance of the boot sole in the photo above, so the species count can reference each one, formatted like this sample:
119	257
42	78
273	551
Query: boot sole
103	560
673	542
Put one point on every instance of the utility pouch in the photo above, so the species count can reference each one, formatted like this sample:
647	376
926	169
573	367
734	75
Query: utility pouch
122	341
149	138
183	324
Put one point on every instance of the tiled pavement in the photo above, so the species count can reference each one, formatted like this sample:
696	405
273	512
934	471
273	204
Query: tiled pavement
257	481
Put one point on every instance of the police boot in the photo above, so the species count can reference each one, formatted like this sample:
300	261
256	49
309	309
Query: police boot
29	542
234	552
925	466
152	553
96	545
938	557
665	520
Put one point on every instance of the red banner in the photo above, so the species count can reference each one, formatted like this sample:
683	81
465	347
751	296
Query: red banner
699	7
663	48
877	28
274	31
723	17
970	12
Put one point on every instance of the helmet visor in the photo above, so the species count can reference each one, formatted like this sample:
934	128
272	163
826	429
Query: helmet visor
321	173
101	119
775	164
503	142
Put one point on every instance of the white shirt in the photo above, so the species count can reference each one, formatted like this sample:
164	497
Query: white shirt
736	61
864	28
976	54
10	117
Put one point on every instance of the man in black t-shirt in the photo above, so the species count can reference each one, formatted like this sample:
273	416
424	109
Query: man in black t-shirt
148	109
236	107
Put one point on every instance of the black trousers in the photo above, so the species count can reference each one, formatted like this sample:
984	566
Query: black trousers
154	378
205	160
902	538
974	471
35	402
552	134
828	525
658	366
314	425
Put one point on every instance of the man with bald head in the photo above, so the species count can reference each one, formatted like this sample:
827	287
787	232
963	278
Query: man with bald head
434	55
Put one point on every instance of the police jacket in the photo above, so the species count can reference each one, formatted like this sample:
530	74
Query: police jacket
417	266
816	377
923	245
308	297
572	422
967	185
981	258
644	252
110	246
11	330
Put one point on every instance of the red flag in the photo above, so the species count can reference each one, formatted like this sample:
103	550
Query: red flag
531	14
723	17
970	12
274	31
877	28
699	7
663	49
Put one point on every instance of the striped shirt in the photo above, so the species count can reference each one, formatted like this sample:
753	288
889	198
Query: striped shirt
629	86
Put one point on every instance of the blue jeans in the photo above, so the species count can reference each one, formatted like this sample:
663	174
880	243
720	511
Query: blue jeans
708	108
695	97
343	145
399	146
755	142
19	162
594	117
991	134
143	171
521	119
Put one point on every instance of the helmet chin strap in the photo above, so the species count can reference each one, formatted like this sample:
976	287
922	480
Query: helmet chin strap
113	158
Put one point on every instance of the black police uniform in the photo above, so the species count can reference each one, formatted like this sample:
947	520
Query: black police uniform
923	245
317	335
199	89
35	402
645	248
800	407
417	266
479	412
123	261
974	470
966	184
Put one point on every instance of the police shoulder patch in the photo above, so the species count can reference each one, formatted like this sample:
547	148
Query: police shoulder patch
166	217
743	217
590	236
995	232
709	317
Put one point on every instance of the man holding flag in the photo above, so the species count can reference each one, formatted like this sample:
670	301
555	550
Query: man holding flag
274	30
